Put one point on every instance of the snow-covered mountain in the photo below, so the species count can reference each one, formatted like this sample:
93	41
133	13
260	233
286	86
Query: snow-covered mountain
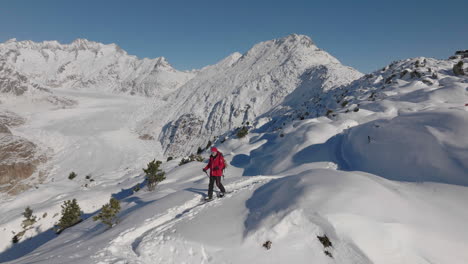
195	106
377	163
279	73
86	64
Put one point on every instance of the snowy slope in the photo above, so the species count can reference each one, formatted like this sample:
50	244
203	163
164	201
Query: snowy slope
383	175
369	219
96	66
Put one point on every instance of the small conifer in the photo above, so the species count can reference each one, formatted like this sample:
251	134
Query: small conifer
109	211
71	215
154	175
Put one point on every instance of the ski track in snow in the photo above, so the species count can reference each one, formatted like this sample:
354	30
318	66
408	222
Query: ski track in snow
125	246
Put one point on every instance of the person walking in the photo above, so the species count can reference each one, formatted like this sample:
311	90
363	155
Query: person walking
216	165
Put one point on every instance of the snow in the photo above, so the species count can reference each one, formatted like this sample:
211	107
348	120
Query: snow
85	64
238	89
386	183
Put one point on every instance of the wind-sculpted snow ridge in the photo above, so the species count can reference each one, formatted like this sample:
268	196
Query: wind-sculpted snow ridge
237	90
412	80
87	64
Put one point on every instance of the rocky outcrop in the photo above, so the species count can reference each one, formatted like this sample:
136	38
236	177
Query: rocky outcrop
19	158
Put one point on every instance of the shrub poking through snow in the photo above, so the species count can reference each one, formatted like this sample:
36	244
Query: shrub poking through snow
109	211
208	145
267	244
30	219
326	243
27	223
72	175
71	215
16	238
242	132
196	158
169	158
136	188
458	68
184	161
154	174
191	158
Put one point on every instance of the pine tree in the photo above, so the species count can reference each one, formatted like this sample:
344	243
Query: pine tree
28	213
154	175
109	211
71	215
458	68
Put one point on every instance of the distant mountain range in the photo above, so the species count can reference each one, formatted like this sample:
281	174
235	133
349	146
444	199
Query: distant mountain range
193	106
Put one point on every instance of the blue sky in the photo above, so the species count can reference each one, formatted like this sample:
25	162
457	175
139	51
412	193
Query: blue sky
191	34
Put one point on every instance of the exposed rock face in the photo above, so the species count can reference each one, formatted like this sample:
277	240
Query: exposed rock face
462	53
10	119
11	81
177	134
14	83
19	157
4	129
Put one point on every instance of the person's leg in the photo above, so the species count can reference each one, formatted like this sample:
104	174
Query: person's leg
220	185
210	187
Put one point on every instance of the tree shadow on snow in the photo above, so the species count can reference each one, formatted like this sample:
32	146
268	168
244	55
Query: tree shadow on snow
26	246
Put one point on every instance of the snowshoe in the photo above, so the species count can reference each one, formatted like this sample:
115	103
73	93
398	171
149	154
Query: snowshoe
207	199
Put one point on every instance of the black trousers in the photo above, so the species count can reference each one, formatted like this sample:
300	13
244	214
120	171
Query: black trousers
214	179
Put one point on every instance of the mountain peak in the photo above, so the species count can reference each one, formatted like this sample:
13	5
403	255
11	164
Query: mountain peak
82	43
293	38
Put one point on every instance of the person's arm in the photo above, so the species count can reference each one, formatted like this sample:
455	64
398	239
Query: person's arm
207	166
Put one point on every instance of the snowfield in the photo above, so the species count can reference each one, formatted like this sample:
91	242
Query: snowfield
379	166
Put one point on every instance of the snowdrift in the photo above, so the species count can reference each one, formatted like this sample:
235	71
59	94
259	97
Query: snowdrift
424	146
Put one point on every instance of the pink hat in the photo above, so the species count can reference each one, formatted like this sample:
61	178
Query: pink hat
214	149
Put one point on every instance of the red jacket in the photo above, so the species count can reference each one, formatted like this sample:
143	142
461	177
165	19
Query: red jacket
216	165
